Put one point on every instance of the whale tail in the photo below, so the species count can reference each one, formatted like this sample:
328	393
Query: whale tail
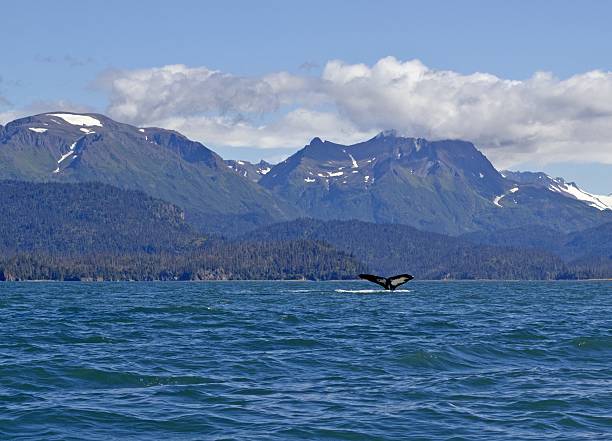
389	283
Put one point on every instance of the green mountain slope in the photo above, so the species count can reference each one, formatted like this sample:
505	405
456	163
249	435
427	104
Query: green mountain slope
64	147
442	186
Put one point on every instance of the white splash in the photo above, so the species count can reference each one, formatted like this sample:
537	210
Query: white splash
309	180
371	291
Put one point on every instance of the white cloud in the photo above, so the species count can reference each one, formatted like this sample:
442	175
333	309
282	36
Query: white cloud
292	129
541	119
11	115
177	90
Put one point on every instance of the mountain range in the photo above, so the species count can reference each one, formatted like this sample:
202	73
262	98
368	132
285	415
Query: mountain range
445	186
442	186
86	197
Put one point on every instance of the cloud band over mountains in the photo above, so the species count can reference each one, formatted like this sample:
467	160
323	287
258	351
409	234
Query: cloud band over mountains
541	119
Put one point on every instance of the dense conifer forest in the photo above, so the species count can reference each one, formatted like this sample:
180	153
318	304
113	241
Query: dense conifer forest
92	231
98	232
392	249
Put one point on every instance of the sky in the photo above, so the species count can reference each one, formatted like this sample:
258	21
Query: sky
528	82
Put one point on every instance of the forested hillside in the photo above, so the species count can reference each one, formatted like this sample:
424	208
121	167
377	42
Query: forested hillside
216	261
392	249
88	218
96	231
588	251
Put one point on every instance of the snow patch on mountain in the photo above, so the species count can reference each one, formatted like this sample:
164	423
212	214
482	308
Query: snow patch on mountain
559	186
78	120
353	161
606	200
37	129
501	196
572	190
67	154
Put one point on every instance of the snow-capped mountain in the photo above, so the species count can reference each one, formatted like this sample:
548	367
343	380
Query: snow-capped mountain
559	185
69	147
443	186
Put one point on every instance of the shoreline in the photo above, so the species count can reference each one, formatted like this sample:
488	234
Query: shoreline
293	280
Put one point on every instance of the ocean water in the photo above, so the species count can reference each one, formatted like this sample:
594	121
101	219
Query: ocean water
306	360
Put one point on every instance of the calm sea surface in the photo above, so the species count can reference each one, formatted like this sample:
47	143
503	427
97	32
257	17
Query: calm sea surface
306	360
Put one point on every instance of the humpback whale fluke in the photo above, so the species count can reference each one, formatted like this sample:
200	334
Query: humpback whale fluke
389	283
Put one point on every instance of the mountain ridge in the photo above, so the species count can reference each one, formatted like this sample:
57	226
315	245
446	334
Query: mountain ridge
445	186
162	163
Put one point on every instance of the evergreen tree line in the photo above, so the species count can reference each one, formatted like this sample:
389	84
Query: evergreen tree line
393	249
92	231
220	260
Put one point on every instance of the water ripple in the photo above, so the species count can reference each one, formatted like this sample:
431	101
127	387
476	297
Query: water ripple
304	360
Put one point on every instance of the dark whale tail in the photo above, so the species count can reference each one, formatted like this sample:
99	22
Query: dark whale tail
389	283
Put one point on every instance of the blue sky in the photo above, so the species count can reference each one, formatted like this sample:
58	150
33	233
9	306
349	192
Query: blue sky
80	56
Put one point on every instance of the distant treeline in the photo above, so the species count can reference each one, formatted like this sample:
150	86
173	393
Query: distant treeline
392	249
289	260
93	231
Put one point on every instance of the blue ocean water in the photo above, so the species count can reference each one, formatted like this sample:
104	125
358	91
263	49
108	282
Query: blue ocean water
306	360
